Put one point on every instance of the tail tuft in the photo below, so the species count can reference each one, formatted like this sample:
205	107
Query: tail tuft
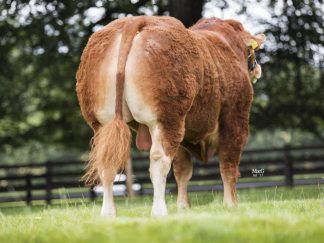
110	150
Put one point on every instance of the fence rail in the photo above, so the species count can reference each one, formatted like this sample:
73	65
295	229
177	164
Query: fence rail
287	166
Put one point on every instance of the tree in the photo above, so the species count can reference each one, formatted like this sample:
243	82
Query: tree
188	11
292	88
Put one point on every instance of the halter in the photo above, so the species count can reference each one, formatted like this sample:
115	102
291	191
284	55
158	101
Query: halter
252	62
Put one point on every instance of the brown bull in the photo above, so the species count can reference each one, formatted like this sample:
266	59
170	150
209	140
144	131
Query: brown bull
184	91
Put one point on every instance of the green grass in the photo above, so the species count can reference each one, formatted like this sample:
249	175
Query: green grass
263	215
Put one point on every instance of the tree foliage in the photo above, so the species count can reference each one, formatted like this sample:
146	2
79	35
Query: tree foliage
291	92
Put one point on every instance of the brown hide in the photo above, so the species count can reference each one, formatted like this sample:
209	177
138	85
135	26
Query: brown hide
90	84
227	92
197	80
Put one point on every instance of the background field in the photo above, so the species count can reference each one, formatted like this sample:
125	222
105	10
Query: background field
263	215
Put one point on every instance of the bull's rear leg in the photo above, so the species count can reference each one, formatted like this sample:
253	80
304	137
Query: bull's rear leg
161	155
108	206
182	169
229	168
234	129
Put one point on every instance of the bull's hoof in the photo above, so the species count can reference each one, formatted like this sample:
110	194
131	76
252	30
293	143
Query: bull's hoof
183	206
108	213
159	211
230	204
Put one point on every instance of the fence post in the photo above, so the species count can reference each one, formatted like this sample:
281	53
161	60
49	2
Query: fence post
48	182
289	170
28	189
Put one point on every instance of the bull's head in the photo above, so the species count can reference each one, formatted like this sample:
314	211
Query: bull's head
253	43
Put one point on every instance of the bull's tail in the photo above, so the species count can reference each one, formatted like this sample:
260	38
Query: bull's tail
110	146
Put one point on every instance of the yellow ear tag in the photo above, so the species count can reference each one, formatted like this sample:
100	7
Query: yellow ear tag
254	44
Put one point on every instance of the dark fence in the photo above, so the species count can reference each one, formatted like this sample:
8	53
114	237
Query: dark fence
54	180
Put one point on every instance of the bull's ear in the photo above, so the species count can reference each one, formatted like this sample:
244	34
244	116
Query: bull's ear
260	39
256	41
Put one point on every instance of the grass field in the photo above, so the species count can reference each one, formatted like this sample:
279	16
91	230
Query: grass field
263	215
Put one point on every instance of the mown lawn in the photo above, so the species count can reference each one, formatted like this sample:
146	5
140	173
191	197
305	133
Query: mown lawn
263	215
